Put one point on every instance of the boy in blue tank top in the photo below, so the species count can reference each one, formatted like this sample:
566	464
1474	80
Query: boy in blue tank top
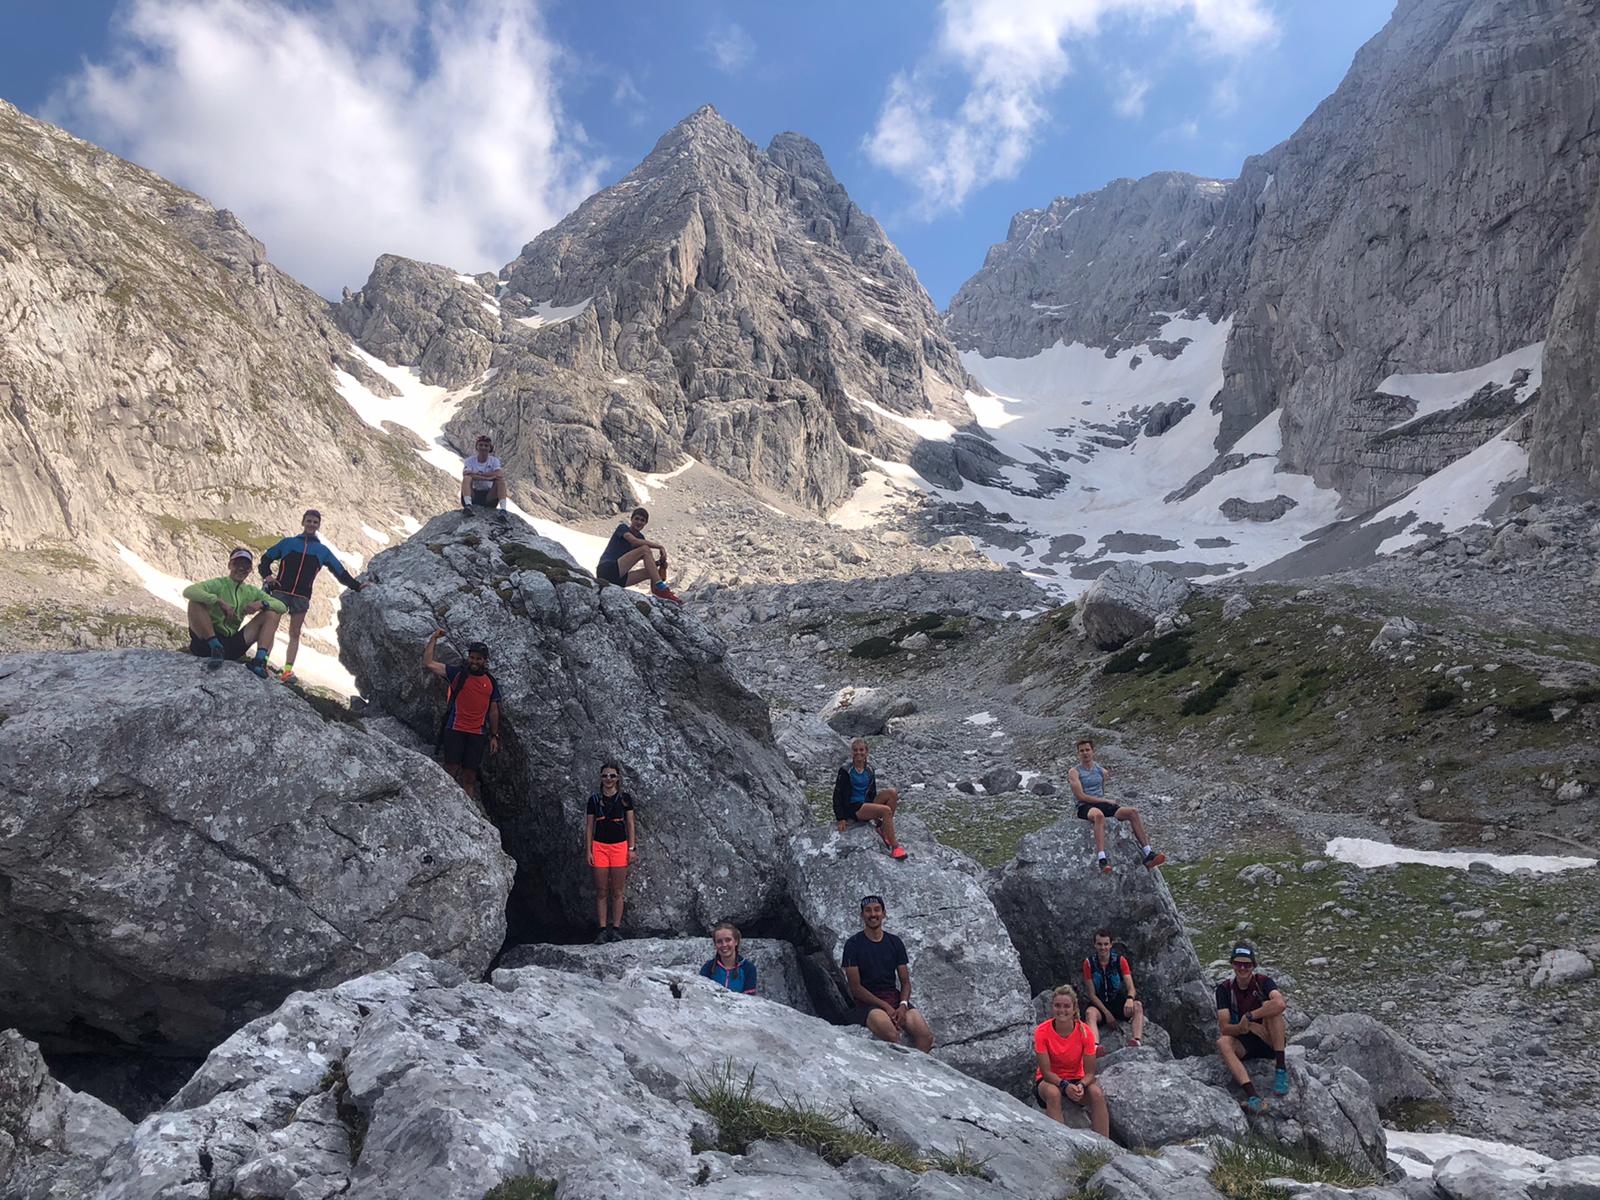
1088	782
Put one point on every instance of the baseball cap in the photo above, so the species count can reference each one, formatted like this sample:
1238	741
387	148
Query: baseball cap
1243	952
874	899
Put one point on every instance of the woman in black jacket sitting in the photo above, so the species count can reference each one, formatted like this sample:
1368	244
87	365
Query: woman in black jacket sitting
856	798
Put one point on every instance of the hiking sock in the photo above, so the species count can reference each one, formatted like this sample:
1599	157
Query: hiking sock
1149	850
1278	1055
1101	856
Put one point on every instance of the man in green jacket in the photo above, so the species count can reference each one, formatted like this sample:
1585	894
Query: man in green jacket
218	609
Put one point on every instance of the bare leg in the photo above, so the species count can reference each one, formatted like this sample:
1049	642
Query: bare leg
1232	1051
921	1034
1099	1116
882	1027
499	492
619	884
200	621
602	885
466	488
1052	1101
636	566
1138	1020
1092	1019
1277	1030
1131	815
880	812
296	624
261	630
1098	820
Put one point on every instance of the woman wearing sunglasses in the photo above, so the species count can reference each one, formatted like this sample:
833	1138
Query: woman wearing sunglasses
609	831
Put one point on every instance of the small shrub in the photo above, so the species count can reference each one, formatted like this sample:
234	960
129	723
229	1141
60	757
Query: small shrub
523	1187
526	558
1436	699
1415	1115
1168	653
963	1162
1243	1169
1208	697
873	647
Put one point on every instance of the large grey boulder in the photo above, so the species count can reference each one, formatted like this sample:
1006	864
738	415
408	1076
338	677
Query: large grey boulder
182	848
965	976
1052	897
1153	1104
1471	1175
864	711
415	1082
1569	1179
1329	1110
1395	1068
586	674
811	747
777	966
1126	600
52	1139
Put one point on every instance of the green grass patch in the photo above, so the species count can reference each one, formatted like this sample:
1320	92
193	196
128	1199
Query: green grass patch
1084	1168
1243	1169
984	835
744	1119
523	1187
1208	697
526	558
229	533
1166	654
935	625
1418	1115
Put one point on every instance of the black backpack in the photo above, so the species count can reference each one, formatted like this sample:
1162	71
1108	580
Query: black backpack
1108	984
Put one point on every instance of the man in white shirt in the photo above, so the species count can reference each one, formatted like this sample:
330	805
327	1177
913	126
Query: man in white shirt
483	482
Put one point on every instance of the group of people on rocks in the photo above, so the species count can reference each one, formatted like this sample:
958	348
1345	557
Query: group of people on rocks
230	618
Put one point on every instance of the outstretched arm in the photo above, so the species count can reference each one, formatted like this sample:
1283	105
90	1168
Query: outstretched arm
428	661
331	561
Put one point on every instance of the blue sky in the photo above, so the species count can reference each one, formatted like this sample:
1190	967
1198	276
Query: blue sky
455	131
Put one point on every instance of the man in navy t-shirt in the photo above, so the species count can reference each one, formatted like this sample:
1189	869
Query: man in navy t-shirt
1250	1023
879	973
626	559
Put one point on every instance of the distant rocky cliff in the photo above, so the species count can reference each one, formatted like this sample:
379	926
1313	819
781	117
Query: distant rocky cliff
721	300
1420	221
161	383
1566	434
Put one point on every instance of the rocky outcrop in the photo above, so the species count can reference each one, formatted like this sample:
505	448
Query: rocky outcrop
858	711
1566	429
1126	600
158	375
1396	1069
810	746
414	1082
52	1139
1153	1104
586	674
721	301
1053	885
183	848
777	966
965	975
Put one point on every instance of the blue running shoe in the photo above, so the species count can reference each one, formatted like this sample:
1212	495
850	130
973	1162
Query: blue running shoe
1254	1105
1280	1082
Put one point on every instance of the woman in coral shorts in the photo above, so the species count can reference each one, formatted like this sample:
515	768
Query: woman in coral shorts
610	835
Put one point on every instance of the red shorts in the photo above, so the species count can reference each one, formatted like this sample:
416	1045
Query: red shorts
610	854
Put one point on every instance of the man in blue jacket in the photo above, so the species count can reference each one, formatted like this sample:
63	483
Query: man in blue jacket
298	559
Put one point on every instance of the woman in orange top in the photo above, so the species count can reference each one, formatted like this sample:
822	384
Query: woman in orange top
1065	1047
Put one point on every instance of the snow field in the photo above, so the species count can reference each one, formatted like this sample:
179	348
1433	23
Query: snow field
1362	852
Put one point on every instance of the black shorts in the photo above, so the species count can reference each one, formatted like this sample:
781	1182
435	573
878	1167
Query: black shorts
297	605
457	749
234	647
607	572
1038	1093
484	497
1254	1047
1109	807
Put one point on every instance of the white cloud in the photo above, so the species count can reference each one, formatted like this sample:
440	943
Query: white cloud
338	134
1012	54
1225	95
1130	91
730	47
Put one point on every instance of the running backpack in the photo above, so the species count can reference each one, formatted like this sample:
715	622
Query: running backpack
1255	990
1110	988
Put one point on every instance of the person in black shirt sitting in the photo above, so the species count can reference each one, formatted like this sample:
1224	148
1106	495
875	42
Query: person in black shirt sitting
626	559
879	972
612	846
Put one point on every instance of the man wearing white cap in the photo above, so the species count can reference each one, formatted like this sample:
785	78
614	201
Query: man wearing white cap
218	612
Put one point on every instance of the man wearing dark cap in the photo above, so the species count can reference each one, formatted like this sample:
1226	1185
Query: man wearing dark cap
298	559
471	722
218	609
879	973
1250	1024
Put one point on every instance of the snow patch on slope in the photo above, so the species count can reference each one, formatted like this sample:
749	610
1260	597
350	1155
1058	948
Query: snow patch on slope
1441	392
1362	852
1455	496
553	314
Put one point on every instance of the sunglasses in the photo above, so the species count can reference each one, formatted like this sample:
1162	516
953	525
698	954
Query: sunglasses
609	775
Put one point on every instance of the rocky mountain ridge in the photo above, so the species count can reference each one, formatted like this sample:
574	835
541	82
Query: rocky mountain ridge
721	301
1420	221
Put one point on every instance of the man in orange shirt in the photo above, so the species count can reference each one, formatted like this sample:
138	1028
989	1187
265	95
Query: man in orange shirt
1064	1047
472	713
